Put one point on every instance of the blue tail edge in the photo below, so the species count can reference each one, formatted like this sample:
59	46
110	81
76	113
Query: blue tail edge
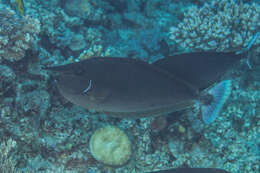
220	93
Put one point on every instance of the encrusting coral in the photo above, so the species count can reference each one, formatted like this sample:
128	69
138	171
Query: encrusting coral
222	25
17	34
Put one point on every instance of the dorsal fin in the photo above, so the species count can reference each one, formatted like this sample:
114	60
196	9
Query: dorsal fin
200	69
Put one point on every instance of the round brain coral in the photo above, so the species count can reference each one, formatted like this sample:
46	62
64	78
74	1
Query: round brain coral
110	145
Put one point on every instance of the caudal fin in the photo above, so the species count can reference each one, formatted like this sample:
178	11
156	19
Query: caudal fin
220	93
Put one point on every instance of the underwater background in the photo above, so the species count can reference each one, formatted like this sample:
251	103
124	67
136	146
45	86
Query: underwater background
40	131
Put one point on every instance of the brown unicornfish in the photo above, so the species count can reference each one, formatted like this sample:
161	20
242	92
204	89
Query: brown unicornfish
126	87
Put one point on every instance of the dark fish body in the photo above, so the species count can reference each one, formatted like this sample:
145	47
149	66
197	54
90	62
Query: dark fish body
201	69
123	87
191	170
126	87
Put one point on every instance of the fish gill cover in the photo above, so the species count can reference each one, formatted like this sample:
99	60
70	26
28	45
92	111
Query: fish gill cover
40	131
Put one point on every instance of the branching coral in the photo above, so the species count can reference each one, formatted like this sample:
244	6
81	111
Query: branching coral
16	34
222	25
7	163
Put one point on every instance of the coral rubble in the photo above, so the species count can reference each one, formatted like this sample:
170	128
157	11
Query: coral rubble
17	34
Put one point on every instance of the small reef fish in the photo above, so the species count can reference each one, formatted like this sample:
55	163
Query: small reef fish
20	7
192	170
126	87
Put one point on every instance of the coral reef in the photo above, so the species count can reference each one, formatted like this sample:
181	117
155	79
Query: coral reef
222	25
7	79
17	34
110	145
7	163
53	135
84	9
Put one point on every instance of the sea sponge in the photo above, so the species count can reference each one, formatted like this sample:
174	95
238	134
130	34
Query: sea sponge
111	146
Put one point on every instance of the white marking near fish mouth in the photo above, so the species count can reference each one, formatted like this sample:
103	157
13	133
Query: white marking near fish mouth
89	86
